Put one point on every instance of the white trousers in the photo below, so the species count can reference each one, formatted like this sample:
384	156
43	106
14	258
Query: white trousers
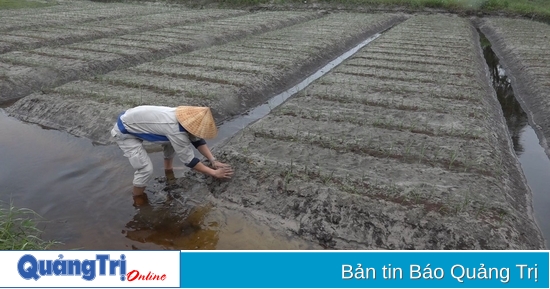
137	155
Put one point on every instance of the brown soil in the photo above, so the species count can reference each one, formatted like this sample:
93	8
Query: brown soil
48	71
404	146
351	181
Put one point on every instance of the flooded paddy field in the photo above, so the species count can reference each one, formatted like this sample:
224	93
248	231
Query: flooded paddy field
402	146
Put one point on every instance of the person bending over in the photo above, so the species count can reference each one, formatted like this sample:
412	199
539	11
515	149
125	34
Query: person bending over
177	129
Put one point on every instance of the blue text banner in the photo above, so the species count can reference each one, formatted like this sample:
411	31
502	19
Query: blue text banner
364	269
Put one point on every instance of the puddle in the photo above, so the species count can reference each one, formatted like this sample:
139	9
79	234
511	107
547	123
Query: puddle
84	191
534	161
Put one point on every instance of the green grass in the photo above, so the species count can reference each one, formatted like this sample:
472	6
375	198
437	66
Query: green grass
19	231
18	4
538	9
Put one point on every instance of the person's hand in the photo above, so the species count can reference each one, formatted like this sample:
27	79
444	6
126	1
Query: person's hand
217	165
223	172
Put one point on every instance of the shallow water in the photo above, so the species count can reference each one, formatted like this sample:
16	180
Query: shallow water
534	161
83	192
536	167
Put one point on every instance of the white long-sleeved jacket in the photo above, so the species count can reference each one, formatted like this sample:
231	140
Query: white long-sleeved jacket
159	124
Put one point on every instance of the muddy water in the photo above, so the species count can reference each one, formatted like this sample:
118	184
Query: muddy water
533	159
84	191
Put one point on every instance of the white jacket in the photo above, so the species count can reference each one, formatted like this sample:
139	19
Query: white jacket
159	124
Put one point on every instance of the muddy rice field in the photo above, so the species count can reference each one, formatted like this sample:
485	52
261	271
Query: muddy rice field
402	145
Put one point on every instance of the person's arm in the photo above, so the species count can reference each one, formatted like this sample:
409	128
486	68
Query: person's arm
202	147
182	146
205	151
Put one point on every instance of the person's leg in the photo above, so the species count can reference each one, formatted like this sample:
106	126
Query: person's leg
169	153
140	198
140	161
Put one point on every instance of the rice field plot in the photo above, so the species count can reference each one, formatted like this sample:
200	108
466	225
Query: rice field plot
68	6
523	47
65	14
35	37
229	78
403	146
55	66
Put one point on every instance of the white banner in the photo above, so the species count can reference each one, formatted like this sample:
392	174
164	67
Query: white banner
89	269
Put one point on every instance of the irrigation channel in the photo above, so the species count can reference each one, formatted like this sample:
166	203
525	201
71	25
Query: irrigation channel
50	169
534	161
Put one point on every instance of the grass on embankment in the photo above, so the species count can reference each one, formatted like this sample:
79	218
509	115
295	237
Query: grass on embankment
521	7
17	4
533	8
19	231
538	9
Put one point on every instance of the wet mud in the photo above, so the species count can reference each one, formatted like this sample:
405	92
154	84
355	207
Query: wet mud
357	161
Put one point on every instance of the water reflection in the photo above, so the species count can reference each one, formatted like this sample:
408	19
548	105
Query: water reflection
534	161
173	228
516	118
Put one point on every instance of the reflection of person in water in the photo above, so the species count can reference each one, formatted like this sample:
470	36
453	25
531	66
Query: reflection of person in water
167	228
177	129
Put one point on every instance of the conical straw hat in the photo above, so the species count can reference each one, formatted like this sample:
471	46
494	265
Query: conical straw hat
198	121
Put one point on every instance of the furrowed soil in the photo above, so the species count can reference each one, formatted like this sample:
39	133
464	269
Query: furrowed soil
48	67
397	148
221	77
30	38
402	146
523	47
71	13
